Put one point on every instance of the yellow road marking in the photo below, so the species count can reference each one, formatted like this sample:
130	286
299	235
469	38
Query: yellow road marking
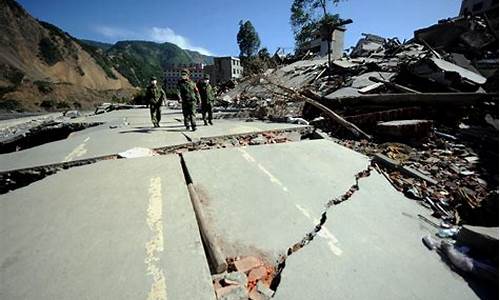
77	152
154	246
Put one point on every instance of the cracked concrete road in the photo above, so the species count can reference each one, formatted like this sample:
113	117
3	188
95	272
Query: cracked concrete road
117	229
125	229
122	229
266	198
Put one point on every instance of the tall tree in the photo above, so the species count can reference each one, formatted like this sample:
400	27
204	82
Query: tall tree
307	16
248	39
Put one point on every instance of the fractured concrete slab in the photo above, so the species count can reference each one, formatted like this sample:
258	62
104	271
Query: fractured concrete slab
267	197
263	199
122	229
379	253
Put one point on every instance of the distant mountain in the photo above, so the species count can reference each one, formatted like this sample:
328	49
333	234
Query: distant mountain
40	62
139	60
99	45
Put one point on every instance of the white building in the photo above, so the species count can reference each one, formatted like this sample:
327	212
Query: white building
173	73
224	69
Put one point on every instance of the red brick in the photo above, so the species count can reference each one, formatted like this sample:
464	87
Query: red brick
247	263
257	273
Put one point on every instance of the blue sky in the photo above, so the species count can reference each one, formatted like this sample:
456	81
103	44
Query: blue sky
211	26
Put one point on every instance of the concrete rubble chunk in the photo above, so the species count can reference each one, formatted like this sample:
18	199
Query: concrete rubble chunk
236	278
369	44
72	114
363	80
405	128
256	295
137	152
263	289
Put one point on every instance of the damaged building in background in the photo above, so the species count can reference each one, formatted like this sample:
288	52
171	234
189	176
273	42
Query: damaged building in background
224	69
319	45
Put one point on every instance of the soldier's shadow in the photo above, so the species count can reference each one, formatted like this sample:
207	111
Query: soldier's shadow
148	130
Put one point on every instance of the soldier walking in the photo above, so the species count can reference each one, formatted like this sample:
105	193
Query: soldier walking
190	97
155	96
207	95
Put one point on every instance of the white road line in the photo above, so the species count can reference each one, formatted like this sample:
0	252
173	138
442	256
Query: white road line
77	152
324	232
271	177
154	247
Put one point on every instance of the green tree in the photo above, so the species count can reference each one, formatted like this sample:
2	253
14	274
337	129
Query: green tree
248	39
307	17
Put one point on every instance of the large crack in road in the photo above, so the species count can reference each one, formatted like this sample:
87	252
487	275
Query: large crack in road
309	237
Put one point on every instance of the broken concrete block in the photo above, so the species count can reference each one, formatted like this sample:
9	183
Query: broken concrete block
138	152
405	128
256	295
258	141
236	278
364	80
72	114
263	289
371	88
247	263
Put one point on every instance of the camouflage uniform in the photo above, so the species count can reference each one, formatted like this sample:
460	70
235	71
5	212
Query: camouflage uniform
190	97
207	95
155	96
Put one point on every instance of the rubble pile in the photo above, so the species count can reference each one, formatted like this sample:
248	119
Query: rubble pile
447	177
247	278
436	95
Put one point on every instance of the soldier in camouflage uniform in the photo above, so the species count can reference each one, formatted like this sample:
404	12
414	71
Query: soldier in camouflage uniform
155	96
207	95
190	97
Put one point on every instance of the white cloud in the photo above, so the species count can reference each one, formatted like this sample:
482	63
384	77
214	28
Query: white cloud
114	32
166	34
156	34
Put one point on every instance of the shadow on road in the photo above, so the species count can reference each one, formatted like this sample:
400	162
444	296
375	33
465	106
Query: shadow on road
179	128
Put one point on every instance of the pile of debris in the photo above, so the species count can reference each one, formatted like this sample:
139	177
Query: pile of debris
447	177
436	95
247	278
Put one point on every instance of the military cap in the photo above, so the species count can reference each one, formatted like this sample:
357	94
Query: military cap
153	78
206	76
185	73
